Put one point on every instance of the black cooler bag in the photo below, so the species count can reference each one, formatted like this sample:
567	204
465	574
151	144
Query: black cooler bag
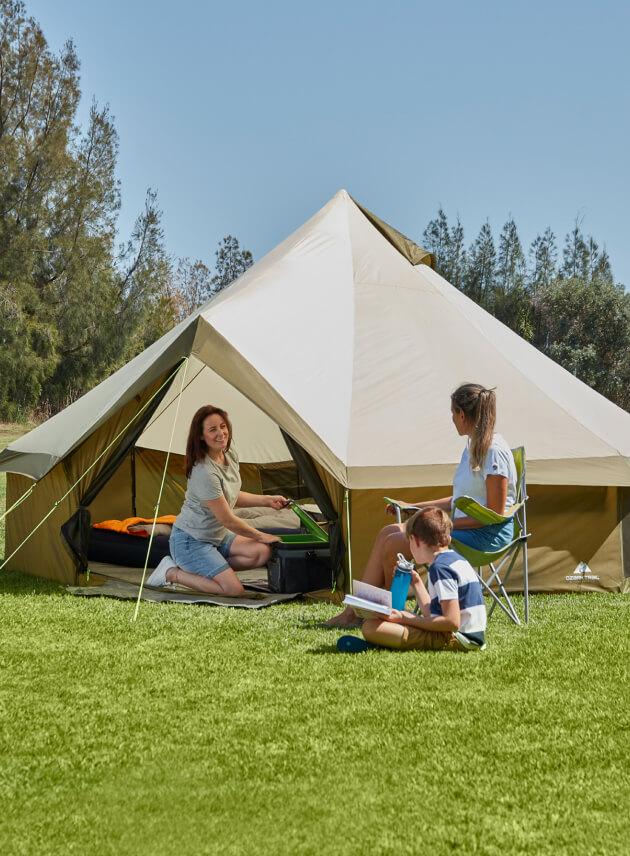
301	563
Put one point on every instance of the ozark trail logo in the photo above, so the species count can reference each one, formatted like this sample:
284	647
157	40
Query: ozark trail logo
582	574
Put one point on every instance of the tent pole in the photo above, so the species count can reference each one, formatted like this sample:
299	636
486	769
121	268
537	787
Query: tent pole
346	499
133	481
159	499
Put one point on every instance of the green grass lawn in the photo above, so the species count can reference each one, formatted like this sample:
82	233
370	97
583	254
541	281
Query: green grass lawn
200	730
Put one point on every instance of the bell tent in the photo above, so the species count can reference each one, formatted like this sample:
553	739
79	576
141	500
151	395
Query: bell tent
336	353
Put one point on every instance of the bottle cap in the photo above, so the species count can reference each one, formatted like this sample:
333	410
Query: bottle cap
404	564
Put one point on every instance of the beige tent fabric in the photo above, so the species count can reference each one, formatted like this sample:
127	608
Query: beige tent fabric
257	439
384	345
338	339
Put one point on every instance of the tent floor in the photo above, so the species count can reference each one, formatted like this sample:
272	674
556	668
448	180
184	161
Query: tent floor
123	590
101	571
123	583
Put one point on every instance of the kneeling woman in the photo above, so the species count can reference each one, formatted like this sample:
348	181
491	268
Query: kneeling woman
486	472
209	543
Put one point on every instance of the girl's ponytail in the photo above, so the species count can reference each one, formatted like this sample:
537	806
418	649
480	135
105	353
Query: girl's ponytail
479	405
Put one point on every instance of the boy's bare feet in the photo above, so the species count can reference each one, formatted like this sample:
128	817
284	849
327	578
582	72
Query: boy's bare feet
346	619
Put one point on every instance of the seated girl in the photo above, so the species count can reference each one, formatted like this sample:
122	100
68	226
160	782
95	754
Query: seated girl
486	472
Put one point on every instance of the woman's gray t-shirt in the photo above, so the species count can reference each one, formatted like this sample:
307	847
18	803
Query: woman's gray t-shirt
209	480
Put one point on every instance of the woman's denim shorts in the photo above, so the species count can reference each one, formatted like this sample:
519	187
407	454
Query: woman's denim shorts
200	557
486	539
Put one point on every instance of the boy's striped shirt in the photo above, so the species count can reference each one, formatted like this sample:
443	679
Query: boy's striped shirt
451	577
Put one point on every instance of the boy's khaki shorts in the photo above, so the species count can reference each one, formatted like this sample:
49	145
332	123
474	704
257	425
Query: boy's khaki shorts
424	640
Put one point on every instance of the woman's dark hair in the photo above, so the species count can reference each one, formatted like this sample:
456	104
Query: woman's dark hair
196	448
479	406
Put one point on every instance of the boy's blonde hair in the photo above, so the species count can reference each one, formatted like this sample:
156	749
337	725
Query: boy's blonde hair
430	525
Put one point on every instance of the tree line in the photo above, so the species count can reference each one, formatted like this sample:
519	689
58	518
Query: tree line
76	303
565	302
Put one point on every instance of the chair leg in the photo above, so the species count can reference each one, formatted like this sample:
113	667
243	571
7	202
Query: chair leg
522	546
497	602
526	582
496	599
501	586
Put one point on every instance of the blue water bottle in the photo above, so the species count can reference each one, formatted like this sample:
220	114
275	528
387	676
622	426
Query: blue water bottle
401	582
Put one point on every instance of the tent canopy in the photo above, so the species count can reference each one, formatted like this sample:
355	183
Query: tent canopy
339	339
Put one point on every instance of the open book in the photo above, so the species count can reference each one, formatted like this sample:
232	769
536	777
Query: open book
369	601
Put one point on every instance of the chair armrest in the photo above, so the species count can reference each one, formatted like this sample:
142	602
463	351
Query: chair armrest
403	506
474	509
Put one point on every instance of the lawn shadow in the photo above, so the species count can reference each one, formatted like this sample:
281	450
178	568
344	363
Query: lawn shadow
324	649
318	624
17	583
332	649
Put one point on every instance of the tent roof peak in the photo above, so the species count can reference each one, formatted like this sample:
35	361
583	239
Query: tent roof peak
414	253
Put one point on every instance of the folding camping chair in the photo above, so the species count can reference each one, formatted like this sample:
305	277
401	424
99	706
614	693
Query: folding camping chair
496	561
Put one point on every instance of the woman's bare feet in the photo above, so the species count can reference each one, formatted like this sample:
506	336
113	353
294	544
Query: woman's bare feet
346	619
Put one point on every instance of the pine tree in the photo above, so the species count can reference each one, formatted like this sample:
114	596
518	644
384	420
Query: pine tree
592	249
455	261
437	238
511	268
575	255
511	300
231	262
544	260
143	277
481	262
599	268
602	270
191	286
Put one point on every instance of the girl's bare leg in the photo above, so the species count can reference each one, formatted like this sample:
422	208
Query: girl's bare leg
394	544
374	572
379	568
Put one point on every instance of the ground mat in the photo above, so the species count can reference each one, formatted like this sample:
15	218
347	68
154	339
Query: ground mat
129	591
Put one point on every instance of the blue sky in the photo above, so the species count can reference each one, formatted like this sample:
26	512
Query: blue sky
247	117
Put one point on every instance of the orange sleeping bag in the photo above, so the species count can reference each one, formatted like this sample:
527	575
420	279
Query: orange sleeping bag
123	526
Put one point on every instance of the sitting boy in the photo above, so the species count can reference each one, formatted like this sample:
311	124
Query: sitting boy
453	611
